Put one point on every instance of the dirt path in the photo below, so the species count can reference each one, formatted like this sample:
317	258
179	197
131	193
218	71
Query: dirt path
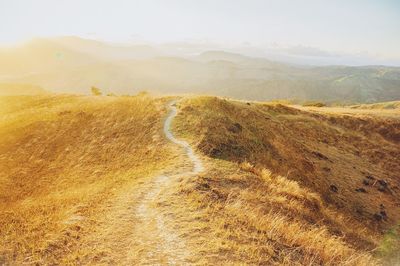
197	164
159	242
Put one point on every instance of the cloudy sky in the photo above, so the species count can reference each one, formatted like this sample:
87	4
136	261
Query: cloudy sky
366	30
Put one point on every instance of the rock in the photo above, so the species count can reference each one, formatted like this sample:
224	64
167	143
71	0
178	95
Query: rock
235	128
360	211
362	190
203	186
215	152
383	214
366	182
319	155
333	188
326	169
370	177
382	182
383	185
378	217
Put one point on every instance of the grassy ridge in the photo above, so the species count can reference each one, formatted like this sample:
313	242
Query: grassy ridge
282	185
64	160
322	181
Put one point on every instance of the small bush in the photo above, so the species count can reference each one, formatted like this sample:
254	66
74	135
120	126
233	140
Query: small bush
143	93
314	104
95	91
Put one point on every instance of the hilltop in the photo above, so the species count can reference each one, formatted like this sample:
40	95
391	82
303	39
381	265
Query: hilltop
95	180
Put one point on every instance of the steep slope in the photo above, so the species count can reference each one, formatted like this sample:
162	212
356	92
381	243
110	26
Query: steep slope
348	162
320	150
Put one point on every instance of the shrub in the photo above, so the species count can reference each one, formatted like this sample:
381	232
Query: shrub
96	91
314	104
143	93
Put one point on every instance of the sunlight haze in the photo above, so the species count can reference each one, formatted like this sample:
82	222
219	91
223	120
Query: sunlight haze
361	29
200	132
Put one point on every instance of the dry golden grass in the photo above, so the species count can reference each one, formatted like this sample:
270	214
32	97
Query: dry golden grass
389	110
74	171
237	215
379	106
331	153
328	153
69	165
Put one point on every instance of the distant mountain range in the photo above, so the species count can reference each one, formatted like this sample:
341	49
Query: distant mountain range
71	64
7	89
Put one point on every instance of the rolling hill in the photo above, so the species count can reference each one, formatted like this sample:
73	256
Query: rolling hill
70	64
107	180
20	89
40	56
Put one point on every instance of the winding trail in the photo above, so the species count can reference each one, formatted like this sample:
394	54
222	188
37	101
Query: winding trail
197	164
159	241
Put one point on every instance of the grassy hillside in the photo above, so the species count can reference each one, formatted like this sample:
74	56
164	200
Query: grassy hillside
332	174
385	105
93	180
69	166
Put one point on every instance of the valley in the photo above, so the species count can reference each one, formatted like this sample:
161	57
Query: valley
73	65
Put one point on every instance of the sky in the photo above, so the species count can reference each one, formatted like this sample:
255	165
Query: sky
368	29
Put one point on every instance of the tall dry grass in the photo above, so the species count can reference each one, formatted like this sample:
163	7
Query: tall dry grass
251	216
65	163
338	154
293	216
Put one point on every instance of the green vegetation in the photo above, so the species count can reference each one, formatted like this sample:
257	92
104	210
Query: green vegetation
314	104
389	249
95	91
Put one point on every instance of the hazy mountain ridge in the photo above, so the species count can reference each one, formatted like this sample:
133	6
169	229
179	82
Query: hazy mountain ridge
20	89
71	64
